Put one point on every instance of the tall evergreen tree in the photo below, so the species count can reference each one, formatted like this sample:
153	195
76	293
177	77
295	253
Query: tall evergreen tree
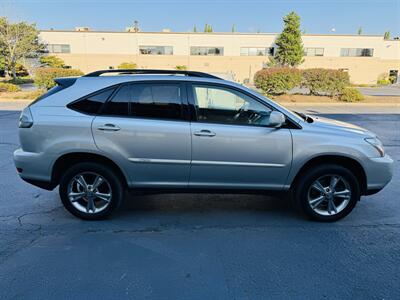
208	28
233	28
386	36
290	45
359	31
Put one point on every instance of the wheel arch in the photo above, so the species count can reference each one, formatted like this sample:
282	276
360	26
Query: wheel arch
349	163
73	158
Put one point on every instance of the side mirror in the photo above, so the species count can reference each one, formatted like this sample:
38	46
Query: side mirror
276	119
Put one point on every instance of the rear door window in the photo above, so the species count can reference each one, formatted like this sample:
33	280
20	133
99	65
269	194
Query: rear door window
147	100
157	101
119	105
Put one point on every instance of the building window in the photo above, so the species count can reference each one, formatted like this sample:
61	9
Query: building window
59	48
357	52
156	50
216	51
250	51
314	51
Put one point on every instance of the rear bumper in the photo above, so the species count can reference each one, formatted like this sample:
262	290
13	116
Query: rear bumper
379	172
34	168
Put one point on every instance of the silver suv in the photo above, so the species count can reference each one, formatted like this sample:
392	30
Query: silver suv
158	130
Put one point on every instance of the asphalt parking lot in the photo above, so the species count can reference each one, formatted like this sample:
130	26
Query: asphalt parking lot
198	246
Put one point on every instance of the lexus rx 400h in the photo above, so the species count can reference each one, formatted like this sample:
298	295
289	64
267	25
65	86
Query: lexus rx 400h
95	136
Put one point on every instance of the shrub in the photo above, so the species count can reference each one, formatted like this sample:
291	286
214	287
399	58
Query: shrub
9	87
52	61
383	81
20	70
44	77
181	67
325	81
278	80
127	65
351	95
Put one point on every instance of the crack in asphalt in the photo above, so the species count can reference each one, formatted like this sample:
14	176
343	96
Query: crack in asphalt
38	230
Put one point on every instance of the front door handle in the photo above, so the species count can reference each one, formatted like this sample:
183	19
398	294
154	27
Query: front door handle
204	132
108	127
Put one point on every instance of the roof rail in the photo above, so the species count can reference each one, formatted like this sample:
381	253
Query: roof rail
151	71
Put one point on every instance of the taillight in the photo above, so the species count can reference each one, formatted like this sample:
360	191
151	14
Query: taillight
25	119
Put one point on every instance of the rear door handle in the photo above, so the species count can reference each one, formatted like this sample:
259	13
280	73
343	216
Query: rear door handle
204	132
108	127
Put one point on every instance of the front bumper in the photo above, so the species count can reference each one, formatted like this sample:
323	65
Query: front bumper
379	172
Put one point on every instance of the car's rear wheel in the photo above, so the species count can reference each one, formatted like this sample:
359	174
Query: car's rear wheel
90	191
327	193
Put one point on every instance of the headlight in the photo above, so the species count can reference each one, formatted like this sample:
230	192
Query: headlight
377	144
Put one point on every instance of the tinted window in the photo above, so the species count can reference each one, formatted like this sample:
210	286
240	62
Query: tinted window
119	104
92	103
158	101
226	106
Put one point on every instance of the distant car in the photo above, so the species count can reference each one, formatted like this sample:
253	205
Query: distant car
158	130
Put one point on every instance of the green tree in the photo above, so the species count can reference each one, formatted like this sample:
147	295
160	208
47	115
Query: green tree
360	30
52	61
233	28
17	41
194	28
386	36
290	45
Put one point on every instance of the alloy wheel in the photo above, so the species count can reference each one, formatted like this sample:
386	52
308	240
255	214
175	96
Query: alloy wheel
89	192
329	195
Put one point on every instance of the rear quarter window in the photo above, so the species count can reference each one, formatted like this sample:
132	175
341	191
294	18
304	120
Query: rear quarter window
92	104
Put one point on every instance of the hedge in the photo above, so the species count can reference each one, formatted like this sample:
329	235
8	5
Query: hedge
9	87
277	80
351	95
44	77
325	81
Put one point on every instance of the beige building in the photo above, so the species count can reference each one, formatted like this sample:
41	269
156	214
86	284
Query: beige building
239	55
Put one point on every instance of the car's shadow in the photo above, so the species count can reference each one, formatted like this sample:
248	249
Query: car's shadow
204	202
207	206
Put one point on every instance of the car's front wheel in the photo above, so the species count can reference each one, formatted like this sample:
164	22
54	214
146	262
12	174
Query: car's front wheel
327	193
90	191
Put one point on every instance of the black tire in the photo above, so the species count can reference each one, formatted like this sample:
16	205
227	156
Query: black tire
114	181
307	178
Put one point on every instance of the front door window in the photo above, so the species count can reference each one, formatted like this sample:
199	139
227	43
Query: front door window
226	106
